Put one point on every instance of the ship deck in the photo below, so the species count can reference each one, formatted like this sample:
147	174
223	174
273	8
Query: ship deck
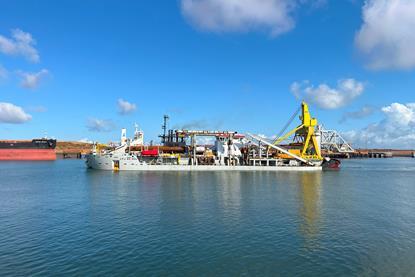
216	168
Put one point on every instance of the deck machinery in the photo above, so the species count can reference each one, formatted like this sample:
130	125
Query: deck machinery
231	148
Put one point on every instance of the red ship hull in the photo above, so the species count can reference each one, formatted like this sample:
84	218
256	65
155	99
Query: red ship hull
332	164
27	155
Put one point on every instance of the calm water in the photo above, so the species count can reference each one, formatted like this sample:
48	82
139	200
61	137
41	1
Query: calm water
60	219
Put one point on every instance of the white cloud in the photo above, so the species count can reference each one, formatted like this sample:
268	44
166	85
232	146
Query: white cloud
396	130
365	111
326	97
387	36
273	16
200	124
263	136
267	138
13	114
125	107
205	140
3	72
37	109
31	80
86	140
20	44
100	125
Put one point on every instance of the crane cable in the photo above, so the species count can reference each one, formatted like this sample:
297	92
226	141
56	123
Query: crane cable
287	125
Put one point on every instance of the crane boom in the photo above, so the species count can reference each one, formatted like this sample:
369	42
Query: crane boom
280	149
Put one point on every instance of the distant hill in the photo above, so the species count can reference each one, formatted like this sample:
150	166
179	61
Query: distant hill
73	147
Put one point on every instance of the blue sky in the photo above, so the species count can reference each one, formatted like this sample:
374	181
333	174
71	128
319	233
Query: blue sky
85	69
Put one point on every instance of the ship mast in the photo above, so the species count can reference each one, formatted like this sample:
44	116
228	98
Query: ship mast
164	127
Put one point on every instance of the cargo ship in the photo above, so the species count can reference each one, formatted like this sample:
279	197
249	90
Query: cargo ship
28	150
230	151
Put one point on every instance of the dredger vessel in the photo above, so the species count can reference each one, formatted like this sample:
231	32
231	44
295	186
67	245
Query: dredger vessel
227	151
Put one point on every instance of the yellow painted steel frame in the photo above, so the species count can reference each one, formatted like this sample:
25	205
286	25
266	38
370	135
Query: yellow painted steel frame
306	133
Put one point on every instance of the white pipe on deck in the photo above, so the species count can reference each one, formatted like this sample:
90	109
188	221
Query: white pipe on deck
280	149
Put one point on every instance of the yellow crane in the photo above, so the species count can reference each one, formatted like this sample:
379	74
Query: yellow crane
306	141
98	147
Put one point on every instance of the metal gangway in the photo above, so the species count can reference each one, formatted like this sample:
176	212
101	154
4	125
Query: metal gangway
332	141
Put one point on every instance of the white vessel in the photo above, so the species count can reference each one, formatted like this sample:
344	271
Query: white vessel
226	159
230	152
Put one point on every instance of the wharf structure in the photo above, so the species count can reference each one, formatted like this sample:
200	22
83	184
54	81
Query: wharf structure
373	154
333	145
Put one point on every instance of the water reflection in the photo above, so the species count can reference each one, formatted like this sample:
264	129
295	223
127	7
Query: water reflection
310	205
229	192
189	197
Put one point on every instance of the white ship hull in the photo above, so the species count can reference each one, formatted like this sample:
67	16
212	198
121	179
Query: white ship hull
128	163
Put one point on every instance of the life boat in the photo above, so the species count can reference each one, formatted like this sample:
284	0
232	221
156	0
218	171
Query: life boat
150	153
